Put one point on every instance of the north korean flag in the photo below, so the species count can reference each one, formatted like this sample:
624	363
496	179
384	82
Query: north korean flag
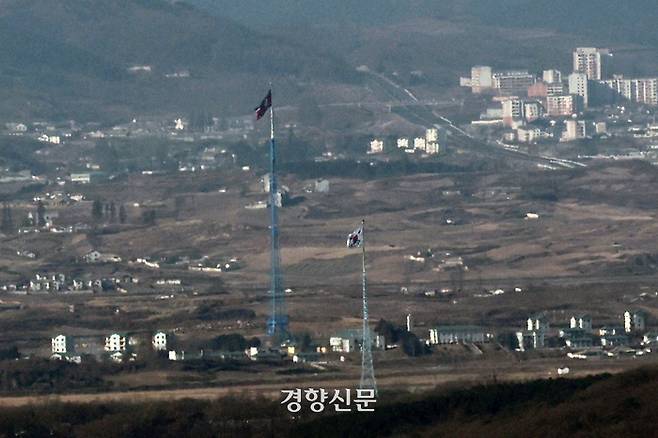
264	105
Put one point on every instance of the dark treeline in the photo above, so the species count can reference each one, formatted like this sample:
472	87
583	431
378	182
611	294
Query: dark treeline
604	405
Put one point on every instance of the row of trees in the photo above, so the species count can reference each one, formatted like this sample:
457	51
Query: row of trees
101	211
409	342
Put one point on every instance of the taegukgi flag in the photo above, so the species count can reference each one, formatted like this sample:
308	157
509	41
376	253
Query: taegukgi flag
264	105
355	239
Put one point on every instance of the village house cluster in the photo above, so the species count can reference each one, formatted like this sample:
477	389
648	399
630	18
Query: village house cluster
630	336
431	144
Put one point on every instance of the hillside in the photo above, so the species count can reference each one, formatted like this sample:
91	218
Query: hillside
71	60
588	17
444	39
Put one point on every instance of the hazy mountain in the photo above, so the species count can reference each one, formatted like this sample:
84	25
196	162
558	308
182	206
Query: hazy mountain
632	22
72	59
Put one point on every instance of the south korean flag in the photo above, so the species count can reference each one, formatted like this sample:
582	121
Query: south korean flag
355	238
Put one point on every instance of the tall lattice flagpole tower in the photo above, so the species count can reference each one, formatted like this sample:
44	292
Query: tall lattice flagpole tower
367	368
277	323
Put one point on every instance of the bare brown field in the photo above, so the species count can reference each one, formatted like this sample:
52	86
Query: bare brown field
590	251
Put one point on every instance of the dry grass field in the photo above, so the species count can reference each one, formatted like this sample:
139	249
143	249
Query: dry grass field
592	249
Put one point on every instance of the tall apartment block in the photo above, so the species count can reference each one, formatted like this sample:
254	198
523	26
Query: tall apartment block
589	60
578	86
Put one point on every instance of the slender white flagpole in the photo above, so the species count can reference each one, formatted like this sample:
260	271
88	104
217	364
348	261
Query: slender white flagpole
271	116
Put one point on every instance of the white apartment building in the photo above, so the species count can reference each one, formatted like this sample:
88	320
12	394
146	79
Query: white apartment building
560	105
531	135
432	148
512	82
115	342
643	90
578	86
589	60
419	143
532	110
61	344
576	129
552	76
159	341
634	321
481	78
512	109
403	143
432	135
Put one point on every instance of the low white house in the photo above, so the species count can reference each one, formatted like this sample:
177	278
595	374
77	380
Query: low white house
458	334
61	344
116	342
160	341
583	322
376	146
341	345
530	340
537	322
81	178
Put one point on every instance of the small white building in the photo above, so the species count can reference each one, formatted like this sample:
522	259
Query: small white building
322	186
583	322
160	341
420	144
537	322
61	344
432	148
634	320
530	340
403	143
376	146
432	135
458	334
81	178
116	342
529	135
341	345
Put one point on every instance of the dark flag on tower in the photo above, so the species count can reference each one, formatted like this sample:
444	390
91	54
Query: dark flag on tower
264	105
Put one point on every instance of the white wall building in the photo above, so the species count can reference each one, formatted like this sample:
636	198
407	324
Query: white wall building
419	143
635	90
81	178
589	60
432	135
376	146
578	86
403	143
160	341
481	78
537	322
530	340
115	342
532	110
552	76
560	105
61	344
634	320
576	129
530	135
512	82
583	322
